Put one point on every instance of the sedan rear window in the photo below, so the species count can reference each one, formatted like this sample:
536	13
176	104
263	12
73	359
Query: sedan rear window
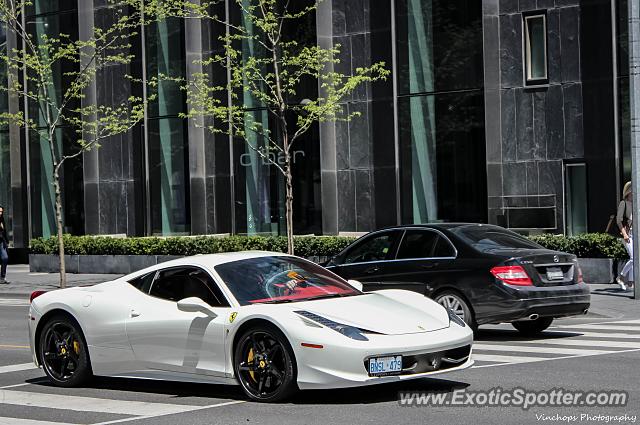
487	238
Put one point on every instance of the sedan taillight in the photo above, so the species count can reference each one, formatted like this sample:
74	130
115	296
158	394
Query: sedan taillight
34	295
580	277
512	275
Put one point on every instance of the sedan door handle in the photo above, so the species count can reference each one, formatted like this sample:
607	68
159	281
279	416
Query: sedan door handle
134	313
429	266
372	270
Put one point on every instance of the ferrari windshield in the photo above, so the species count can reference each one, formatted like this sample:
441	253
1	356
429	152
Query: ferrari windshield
281	279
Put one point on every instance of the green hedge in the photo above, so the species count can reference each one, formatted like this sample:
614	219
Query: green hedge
594	245
305	246
588	245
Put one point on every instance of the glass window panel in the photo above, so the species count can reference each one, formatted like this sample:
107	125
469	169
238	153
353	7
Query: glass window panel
443	167
576	198
375	248
536	47
165	58
418	244
169	181
439	44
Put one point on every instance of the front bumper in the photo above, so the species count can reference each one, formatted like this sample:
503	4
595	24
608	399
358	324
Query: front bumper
343	365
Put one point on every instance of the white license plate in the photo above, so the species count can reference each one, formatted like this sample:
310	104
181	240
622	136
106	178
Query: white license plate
391	365
555	274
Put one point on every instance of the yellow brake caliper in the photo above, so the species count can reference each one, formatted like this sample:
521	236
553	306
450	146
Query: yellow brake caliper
249	360
76	346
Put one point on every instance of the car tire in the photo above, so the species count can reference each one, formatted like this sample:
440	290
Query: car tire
459	305
63	352
532	327
264	364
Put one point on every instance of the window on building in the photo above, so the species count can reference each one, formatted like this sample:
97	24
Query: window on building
535	49
576	198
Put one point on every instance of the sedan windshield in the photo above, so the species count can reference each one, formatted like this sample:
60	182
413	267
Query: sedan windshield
281	279
490	238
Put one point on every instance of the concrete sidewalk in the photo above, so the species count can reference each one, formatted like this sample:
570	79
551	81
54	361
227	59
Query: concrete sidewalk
22	282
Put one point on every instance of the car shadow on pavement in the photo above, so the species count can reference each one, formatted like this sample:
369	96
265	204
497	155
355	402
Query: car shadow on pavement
376	393
613	292
503	335
361	395
171	388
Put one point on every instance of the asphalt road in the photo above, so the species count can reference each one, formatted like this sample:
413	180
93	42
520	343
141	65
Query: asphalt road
600	352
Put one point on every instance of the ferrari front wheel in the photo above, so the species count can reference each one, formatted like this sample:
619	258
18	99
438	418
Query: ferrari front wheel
63	352
264	364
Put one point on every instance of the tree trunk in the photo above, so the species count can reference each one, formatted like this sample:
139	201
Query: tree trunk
56	185
289	201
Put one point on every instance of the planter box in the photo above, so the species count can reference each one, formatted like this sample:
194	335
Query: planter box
105	264
598	270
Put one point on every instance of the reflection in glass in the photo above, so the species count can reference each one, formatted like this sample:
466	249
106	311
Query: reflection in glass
443	174
168	142
576	198
439	45
168	177
536	46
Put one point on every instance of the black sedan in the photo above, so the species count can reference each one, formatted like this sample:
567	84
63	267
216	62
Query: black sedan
484	273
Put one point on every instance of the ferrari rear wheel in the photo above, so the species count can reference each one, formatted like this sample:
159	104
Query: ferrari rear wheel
264	364
63	352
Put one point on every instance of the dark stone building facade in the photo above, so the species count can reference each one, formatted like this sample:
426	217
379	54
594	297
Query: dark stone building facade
459	132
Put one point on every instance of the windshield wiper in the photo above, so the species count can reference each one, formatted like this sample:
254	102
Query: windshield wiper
319	297
282	301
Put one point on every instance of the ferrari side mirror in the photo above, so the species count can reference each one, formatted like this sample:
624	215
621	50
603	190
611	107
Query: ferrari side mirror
195	304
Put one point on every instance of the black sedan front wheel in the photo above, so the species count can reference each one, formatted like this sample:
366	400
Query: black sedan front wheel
532	327
264	364
458	305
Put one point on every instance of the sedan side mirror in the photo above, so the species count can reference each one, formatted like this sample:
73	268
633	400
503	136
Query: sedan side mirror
356	284
194	305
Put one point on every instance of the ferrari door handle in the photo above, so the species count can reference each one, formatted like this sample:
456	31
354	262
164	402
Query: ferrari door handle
372	270
134	313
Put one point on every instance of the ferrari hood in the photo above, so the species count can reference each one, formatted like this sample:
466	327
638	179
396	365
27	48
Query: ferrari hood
380	313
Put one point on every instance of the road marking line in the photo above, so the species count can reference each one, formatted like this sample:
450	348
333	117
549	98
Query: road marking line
526	349
15	385
552	358
636	321
605	327
14	346
90	404
588	343
14	302
19	421
211	406
505	359
17	367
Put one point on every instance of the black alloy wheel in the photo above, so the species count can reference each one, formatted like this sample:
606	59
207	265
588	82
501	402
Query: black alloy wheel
532	327
264	364
63	352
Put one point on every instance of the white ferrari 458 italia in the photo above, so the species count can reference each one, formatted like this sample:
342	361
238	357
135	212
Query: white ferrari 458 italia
272	323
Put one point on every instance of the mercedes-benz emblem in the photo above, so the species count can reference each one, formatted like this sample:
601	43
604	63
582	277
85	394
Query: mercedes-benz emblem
556	258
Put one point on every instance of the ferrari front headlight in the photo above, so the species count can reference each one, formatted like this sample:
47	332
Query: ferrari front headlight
346	330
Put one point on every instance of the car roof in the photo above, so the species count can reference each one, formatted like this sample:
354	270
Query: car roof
437	226
207	261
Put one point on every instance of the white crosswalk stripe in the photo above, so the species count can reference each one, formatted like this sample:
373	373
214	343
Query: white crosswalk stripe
19	421
561	342
14	302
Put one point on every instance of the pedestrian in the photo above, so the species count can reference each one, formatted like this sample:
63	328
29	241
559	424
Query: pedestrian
4	244
624	218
